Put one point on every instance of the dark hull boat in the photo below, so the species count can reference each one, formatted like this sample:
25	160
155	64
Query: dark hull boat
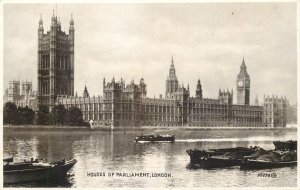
154	138
204	158
272	159
35	171
226	160
218	162
263	164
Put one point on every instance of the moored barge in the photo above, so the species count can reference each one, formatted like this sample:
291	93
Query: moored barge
284	154
206	158
272	159
35	170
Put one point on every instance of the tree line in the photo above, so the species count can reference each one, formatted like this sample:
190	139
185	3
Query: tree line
58	115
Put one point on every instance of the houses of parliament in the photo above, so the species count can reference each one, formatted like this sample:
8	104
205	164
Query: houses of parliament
128	105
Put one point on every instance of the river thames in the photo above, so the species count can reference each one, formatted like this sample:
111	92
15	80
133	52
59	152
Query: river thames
113	159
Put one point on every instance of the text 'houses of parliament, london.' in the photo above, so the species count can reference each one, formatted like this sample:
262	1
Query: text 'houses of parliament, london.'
128	105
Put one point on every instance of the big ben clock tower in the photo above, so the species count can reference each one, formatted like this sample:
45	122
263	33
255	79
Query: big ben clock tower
243	86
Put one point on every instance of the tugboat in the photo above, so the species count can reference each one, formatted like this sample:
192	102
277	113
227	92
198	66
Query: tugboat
35	170
154	138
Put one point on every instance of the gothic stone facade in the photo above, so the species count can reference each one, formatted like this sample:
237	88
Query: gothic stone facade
21	94
128	105
55	62
275	111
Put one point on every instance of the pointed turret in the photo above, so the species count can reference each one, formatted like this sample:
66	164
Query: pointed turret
243	70
53	19
172	71
199	90
199	84
85	93
41	22
104	82
143	87
71	29
41	28
72	23
172	82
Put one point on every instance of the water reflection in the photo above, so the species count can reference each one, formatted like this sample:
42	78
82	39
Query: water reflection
116	152
65	182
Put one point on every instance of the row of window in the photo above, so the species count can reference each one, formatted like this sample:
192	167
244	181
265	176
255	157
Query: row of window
214	106
61	89
252	113
108	116
45	87
159	118
159	109
62	62
106	107
45	61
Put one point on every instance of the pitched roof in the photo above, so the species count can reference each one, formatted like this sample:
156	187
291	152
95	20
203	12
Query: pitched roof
243	71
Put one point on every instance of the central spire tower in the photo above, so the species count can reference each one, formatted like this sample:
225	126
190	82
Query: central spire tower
172	82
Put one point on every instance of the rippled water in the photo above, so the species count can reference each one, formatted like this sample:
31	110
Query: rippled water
115	152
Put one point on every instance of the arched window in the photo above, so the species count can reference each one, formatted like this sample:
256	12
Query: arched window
43	62
59	61
42	87
47	87
64	62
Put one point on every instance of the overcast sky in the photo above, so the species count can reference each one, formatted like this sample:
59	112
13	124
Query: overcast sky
208	41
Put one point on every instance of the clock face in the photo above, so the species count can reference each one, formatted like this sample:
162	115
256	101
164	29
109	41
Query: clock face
240	83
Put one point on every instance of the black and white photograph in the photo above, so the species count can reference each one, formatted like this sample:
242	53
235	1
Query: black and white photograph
160	95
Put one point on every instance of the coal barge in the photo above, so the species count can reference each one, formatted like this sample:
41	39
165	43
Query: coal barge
284	154
215	158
